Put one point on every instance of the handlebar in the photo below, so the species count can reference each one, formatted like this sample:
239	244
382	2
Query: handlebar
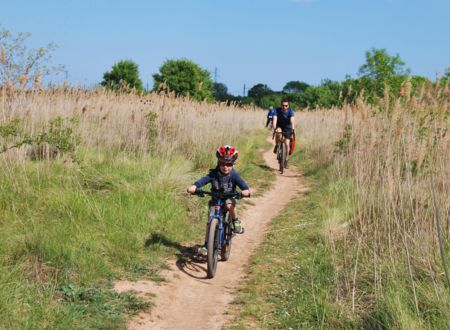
273	135
219	195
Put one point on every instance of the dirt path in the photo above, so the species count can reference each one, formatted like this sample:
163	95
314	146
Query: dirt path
188	300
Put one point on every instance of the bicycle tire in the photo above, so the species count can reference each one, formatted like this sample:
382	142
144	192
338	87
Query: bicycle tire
282	161
226	245
213	253
279	153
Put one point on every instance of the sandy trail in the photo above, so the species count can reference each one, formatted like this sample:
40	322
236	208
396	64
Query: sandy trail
188	300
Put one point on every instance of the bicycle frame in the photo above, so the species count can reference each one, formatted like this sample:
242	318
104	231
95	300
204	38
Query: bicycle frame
218	215
220	232
280	149
282	138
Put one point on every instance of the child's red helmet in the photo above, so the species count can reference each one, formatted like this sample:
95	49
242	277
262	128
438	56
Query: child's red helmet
227	153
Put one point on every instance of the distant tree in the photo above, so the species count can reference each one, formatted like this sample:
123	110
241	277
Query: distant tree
417	82
381	66
220	92
310	98
326	95
123	75
445	77
246	100
351	88
329	93
272	100
21	66
297	100
382	69
295	86
184	77
258	91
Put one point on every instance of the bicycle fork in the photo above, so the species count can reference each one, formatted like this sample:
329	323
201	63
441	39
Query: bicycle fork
218	216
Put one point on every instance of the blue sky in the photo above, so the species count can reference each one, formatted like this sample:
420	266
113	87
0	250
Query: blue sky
248	41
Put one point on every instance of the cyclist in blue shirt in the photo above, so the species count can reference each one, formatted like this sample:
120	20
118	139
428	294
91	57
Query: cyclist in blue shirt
223	179
270	115
284	123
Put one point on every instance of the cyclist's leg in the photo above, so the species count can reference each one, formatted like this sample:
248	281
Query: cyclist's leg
278	133
287	141
231	207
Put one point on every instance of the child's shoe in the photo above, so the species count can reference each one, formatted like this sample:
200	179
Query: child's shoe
238	229
202	251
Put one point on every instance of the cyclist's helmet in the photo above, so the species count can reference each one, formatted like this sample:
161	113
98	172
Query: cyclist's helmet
227	153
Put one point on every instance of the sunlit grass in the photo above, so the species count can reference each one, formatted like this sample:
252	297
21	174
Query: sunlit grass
368	255
114	207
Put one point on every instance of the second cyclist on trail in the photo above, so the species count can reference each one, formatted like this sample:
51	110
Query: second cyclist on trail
270	114
284	124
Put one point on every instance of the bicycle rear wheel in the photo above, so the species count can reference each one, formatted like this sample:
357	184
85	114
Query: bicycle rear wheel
213	244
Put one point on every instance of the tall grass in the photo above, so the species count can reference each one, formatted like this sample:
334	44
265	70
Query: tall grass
160	124
390	165
112	206
397	158
367	253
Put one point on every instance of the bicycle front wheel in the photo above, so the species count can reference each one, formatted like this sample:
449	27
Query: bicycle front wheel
282	159
213	244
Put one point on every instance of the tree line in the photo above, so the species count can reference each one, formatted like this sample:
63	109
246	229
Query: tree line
380	73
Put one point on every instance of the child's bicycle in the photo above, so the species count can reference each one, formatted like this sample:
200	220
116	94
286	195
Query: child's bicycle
221	230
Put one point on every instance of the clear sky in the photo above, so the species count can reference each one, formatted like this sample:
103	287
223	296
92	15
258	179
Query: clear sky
247	41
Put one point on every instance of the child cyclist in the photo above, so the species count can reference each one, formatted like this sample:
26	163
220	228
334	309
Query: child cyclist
223	179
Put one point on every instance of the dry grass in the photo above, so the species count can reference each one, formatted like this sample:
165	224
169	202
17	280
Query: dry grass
135	123
392	175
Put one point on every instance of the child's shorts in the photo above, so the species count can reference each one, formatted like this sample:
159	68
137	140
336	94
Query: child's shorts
211	204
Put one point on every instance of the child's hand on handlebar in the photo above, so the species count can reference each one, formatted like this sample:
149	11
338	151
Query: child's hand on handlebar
192	189
245	193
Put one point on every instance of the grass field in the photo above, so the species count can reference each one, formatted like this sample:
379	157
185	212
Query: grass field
113	206
92	189
362	248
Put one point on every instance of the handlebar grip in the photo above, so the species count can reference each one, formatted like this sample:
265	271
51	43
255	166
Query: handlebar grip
199	192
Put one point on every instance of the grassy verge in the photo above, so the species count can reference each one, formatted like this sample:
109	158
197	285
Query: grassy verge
302	277
70	231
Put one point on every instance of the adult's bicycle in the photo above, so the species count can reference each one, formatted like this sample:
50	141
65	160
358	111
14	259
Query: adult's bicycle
221	230
282	150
